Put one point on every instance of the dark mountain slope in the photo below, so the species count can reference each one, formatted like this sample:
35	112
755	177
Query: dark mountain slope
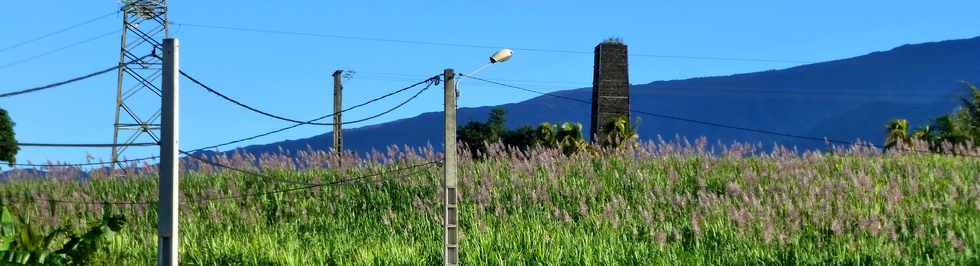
844	99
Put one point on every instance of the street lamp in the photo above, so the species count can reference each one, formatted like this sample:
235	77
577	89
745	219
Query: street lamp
500	56
450	224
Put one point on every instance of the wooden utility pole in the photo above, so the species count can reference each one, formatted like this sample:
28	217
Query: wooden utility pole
338	97
451	247
169	187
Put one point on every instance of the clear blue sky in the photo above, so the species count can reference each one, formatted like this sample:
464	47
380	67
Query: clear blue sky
291	74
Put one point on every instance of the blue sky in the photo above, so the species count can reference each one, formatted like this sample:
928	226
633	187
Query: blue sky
290	75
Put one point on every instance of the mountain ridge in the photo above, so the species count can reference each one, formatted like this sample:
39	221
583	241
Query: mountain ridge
846	99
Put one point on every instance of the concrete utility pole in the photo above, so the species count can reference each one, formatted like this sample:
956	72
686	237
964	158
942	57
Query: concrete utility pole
168	239
450	248
338	97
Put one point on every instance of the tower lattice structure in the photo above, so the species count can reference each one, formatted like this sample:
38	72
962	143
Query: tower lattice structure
138	87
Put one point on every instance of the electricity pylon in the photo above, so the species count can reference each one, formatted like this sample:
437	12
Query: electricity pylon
138	87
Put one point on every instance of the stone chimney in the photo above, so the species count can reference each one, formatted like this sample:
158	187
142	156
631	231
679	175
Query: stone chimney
610	85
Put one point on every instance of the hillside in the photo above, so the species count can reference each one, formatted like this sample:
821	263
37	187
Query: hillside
845	99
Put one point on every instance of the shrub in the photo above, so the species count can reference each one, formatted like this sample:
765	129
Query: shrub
478	135
20	244
618	133
8	144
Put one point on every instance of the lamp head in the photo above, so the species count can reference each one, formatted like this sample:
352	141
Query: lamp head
501	56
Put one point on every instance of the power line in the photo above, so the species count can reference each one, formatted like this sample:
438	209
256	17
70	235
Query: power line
309	122
698	90
115	203
59	49
463	45
250	108
69	81
316	185
56	32
688	120
430	82
304	186
240	170
84	164
714	124
57	84
76	145
276	179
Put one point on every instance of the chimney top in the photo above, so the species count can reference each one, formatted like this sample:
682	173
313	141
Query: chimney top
614	40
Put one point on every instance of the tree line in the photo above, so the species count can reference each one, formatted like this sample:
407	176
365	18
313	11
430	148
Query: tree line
960	127
566	136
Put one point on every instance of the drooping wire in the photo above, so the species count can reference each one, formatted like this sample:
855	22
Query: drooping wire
302	186
688	120
309	122
57	84
250	108
69	81
264	177
85	164
430	82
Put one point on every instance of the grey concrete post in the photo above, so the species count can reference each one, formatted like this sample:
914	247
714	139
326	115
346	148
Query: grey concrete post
168	239
450	223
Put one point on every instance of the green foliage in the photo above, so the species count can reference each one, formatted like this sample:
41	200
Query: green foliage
970	113
570	138
896	133
603	208
958	128
8	144
618	133
21	244
478	136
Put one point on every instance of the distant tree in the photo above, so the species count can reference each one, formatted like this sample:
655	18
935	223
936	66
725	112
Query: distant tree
8	144
970	112
927	133
959	127
522	137
479	135
951	128
896	133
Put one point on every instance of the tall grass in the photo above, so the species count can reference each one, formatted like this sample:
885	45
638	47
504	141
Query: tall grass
663	203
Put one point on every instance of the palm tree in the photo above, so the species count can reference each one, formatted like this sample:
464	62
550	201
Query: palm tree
951	130
971	113
925	133
896	131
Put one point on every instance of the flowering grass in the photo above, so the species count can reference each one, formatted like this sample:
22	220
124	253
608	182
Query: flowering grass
658	204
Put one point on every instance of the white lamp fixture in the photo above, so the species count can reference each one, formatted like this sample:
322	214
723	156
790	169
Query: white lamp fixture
501	56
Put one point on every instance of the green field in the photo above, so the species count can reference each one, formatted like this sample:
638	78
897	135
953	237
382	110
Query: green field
657	205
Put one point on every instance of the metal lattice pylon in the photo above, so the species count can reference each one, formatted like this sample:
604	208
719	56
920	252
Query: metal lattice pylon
138	88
